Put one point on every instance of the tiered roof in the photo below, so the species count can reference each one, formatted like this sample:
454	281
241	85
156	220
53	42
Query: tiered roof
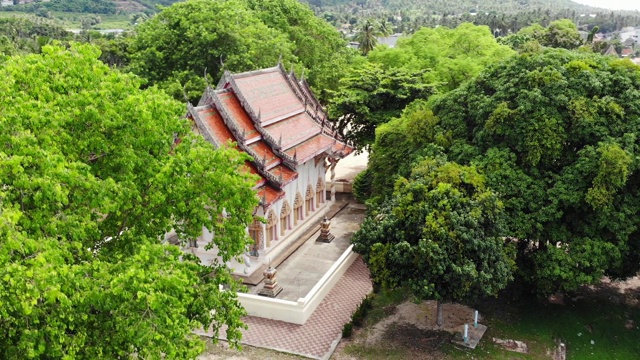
272	116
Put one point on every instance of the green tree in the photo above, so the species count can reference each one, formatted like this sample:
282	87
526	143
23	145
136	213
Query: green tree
556	133
367	36
559	34
447	56
399	145
441	236
175	47
370	96
319	48
181	42
94	171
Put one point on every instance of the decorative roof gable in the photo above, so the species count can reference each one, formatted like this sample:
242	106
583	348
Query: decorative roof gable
273	117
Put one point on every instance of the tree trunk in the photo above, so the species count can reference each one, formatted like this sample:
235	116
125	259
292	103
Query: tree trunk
440	318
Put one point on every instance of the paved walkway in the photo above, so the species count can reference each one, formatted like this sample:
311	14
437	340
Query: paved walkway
319	336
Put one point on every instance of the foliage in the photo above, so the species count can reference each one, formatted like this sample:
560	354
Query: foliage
193	36
447	56
78	6
399	145
502	17
367	36
177	45
370	96
28	35
362	186
93	176
441	235
556	134
347	330
559	34
319	48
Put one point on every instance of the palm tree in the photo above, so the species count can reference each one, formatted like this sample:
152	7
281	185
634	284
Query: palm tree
366	36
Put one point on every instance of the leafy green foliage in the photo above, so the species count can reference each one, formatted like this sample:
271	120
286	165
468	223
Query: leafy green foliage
28	35
367	36
377	91
92	178
559	34
399	145
184	40
556	134
371	96
362	186
175	47
441	235
447	56
318	47
503	17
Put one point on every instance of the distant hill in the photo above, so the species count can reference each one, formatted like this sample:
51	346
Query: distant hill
459	6
502	16
87	6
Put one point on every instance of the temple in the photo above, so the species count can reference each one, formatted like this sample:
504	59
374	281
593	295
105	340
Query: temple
274	117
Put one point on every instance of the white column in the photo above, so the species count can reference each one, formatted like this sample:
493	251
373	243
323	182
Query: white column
333	162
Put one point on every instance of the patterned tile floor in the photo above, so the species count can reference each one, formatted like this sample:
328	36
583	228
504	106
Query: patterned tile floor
318	337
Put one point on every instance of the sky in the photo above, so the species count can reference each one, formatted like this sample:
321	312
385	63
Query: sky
612	4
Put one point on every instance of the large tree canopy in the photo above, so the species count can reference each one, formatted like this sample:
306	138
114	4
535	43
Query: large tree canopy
94	171
559	34
371	96
451	56
441	235
431	59
176	46
556	134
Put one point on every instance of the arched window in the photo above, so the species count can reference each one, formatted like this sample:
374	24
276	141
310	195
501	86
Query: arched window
309	200
297	209
320	197
272	233
285	218
255	232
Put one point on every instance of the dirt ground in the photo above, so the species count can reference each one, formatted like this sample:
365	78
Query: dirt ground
410	326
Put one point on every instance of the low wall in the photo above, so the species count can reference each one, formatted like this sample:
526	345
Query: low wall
298	312
342	186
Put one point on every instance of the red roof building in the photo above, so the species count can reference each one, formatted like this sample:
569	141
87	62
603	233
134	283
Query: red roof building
274	117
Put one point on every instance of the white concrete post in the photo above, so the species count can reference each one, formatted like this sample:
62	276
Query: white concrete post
466	333
475	319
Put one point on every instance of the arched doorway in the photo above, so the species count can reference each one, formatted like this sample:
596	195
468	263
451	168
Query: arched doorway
297	209
272	233
320	197
255	233
285	218
308	199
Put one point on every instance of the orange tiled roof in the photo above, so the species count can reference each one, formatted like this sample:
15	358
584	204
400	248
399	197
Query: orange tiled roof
272	116
268	94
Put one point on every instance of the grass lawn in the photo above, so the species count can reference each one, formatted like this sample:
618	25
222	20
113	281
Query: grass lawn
592	327
596	325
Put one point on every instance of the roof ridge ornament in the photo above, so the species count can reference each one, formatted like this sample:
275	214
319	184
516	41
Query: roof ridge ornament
206	79
280	141
279	59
